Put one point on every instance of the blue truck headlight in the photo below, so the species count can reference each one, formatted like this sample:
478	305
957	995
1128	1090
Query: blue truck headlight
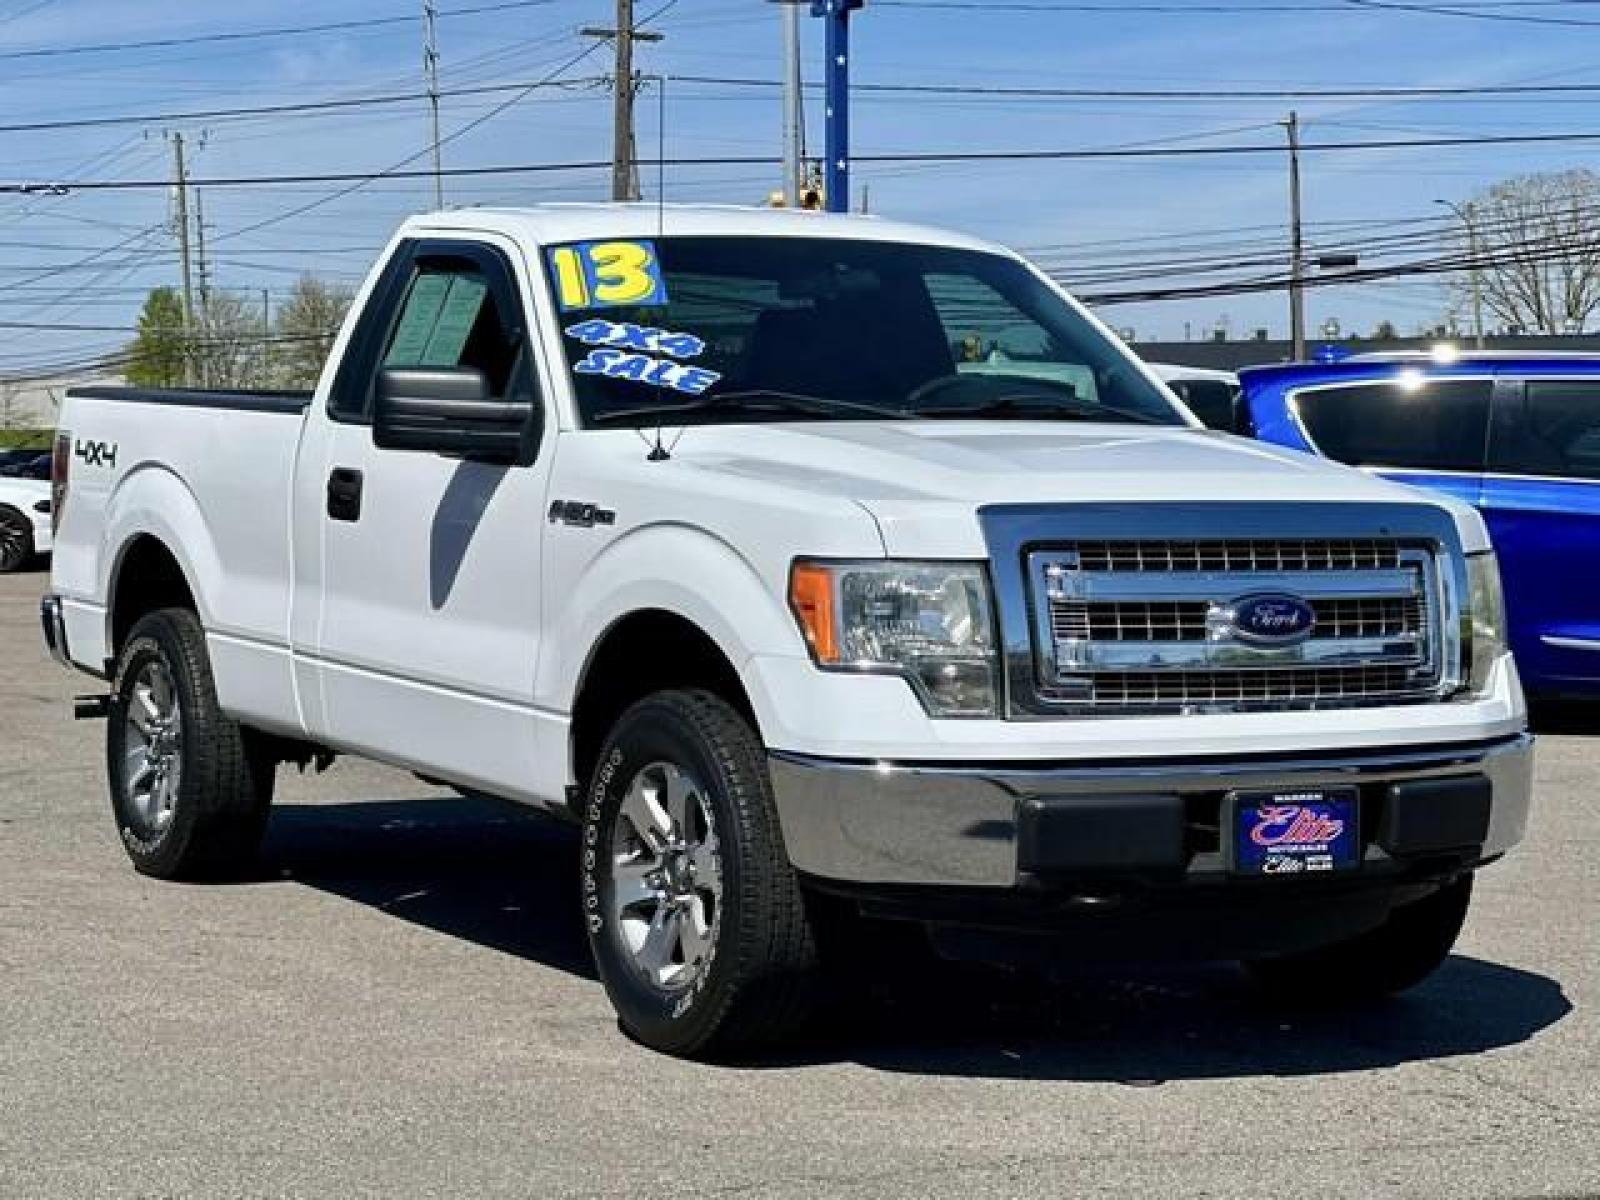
930	622
1484	622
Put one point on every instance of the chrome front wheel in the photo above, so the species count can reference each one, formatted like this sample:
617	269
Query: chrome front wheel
695	916
665	881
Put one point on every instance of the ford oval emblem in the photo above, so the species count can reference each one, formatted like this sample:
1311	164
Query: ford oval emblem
1273	619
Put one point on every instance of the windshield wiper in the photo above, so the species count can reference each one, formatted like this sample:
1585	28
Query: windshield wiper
754	399
1046	408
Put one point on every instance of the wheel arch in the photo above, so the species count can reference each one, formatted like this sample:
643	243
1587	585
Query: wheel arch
155	528
643	651
146	576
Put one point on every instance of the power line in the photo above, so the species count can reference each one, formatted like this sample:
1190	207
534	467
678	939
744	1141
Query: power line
752	160
1073	93
1460	8
1531	251
1475	12
244	35
911	89
271	110
397	171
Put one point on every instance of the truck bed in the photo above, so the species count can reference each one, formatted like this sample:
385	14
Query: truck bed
210	475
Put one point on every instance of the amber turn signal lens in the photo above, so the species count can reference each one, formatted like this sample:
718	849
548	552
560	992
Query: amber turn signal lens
811	597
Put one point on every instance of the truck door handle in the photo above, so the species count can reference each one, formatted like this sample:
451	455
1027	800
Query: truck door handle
344	494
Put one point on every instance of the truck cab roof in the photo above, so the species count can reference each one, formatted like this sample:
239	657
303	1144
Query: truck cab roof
550	224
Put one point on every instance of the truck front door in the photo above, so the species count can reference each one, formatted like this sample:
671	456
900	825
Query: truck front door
428	636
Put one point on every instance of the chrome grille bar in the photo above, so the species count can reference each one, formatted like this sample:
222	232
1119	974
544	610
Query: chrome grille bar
1185	620
1279	554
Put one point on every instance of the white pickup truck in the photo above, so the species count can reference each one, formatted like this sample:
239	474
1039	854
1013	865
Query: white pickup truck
816	566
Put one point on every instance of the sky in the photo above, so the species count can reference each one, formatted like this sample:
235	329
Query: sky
86	258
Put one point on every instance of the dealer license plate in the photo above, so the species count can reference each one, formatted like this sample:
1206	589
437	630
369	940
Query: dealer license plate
1312	831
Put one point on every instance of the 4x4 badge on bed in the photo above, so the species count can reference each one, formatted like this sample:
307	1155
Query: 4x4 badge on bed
96	454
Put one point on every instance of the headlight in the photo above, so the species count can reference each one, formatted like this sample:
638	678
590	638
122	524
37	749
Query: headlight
1484	620
927	621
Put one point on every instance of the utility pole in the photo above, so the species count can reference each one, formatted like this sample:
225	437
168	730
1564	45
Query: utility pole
793	106
1297	293
837	174
430	70
266	339
624	88
180	183
202	267
203	273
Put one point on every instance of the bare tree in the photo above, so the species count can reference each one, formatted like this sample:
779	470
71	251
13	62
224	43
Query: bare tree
307	324
227	342
1537	250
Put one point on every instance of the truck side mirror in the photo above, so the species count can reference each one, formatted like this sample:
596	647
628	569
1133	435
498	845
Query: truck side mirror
447	410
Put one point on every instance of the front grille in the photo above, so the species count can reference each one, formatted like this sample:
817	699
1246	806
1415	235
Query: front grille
1273	555
1288	687
1186	621
1129	625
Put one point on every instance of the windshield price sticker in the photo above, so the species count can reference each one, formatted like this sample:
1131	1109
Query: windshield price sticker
640	338
641	368
607	275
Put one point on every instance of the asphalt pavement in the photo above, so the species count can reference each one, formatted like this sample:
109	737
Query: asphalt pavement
402	1005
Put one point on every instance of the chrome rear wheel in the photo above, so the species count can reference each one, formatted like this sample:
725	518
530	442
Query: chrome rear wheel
152	756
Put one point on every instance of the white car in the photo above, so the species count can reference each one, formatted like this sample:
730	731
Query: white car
697	526
1212	396
24	522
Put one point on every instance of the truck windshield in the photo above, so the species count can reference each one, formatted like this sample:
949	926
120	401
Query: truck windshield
721	330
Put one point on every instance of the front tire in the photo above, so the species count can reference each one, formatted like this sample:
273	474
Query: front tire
1408	947
694	913
190	788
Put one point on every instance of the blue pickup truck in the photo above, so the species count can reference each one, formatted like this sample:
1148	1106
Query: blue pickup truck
1516	436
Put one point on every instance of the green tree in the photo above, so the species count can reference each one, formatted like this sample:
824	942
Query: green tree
306	325
155	357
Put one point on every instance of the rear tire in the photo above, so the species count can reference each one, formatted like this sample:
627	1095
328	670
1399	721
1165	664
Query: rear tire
190	788
1408	947
694	913
16	541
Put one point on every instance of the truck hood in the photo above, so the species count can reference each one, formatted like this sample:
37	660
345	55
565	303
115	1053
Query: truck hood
924	480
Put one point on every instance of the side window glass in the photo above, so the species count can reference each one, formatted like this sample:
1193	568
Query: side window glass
450	318
1555	431
1428	424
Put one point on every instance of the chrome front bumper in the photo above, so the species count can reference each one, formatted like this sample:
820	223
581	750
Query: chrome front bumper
958	826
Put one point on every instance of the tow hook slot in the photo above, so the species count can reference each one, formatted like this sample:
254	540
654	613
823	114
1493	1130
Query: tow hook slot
91	708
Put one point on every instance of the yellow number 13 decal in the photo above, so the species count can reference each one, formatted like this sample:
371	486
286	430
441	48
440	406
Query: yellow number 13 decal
607	275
